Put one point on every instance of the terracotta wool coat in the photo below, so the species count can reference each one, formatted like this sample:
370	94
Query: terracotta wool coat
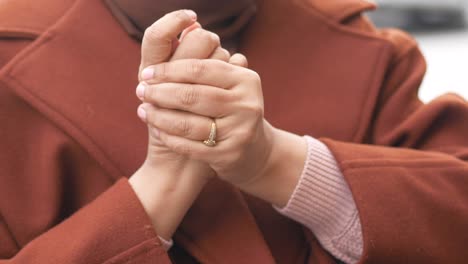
69	136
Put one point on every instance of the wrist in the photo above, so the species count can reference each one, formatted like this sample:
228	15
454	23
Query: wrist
166	193
282	171
169	174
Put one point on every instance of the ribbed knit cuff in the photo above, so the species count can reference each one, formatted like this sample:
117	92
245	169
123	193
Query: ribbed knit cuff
322	201
166	244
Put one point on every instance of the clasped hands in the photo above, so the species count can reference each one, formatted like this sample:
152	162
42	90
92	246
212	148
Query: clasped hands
187	83
199	84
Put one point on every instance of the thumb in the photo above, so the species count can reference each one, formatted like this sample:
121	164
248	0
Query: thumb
158	39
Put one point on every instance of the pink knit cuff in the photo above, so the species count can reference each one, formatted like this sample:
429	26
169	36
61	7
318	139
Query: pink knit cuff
166	244
322	201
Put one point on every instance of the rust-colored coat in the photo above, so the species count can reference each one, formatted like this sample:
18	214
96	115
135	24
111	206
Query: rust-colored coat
69	132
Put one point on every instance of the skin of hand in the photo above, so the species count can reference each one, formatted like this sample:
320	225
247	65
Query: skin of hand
183	97
194	43
168	183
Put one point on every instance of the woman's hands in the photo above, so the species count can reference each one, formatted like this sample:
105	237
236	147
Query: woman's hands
168	183
183	97
160	44
182	93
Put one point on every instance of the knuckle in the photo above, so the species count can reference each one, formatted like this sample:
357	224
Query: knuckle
214	39
254	110
156	134
187	95
206	37
150	116
244	137
225	55
221	97
183	127
198	33
236	156
239	60
257	112
236	96
222	66
181	148
202	33
162	73
253	76
197	68
150	93
225	67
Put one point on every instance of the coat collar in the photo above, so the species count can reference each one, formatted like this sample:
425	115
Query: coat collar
81	73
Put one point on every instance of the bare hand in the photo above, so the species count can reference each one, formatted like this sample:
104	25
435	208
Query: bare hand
167	177
160	44
186	96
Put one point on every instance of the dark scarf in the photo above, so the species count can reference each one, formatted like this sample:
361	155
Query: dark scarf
224	17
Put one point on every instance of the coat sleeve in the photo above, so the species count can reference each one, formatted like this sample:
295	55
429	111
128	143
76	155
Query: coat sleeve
114	228
410	183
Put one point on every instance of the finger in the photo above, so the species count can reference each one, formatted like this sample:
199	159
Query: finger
176	42
239	60
158	39
189	29
197	44
193	149
221	54
198	99
207	72
179	123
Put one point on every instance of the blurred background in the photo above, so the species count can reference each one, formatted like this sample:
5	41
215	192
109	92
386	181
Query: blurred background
441	29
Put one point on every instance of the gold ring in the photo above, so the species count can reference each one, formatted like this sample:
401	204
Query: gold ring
211	141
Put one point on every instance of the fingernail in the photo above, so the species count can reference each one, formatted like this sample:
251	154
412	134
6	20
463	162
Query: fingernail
140	91
191	14
141	113
147	74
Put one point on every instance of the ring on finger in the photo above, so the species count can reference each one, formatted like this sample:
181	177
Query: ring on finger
211	141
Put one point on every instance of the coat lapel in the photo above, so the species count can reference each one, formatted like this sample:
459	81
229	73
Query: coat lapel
319	76
82	74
